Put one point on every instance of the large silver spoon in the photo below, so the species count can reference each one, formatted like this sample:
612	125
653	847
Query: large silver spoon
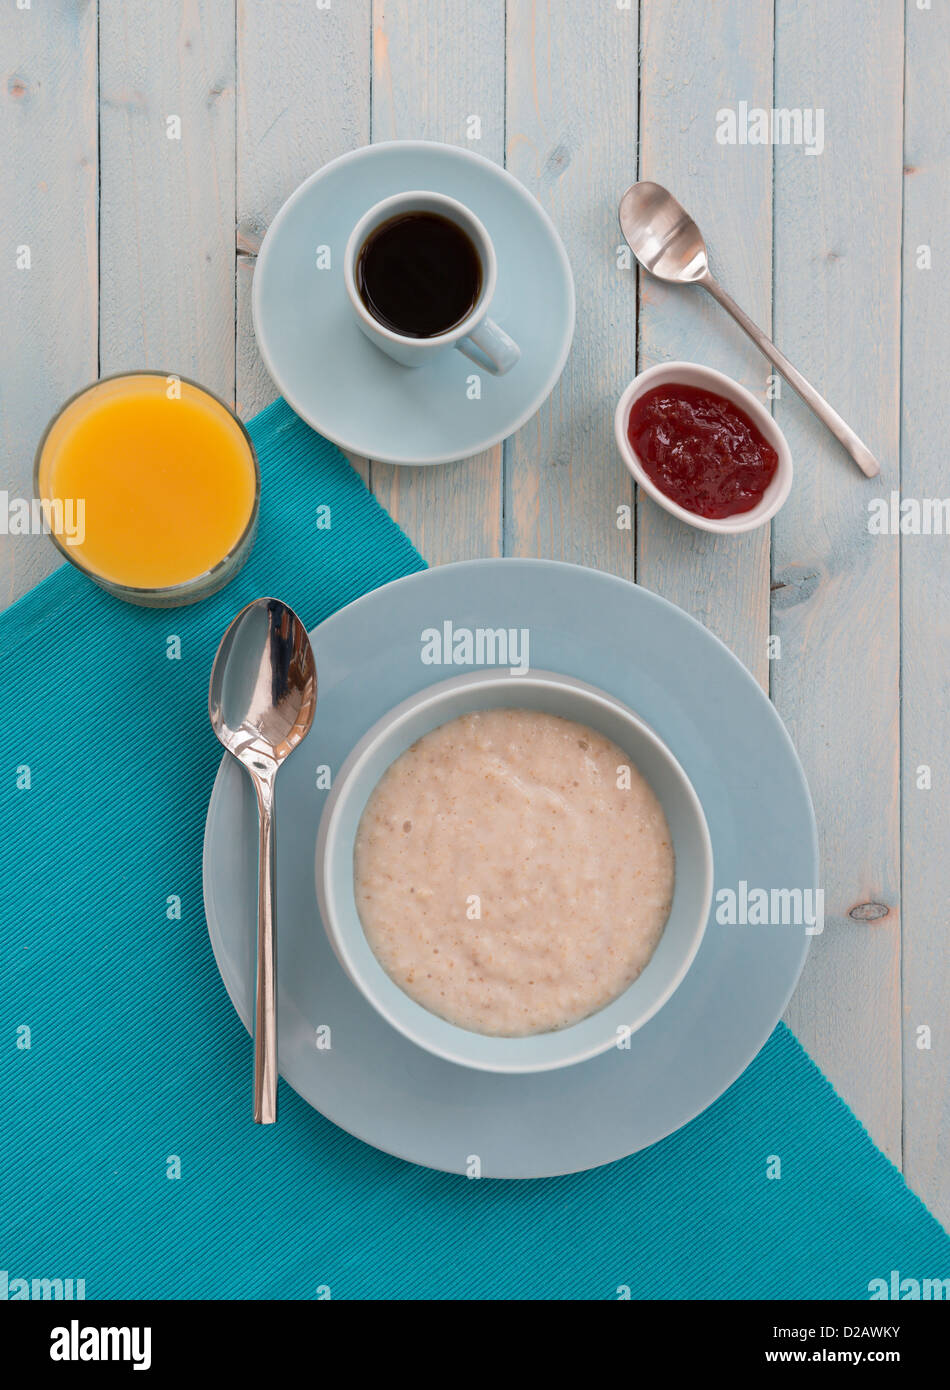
667	242
261	700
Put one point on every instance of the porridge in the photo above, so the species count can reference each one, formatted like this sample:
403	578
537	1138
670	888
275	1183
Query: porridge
513	871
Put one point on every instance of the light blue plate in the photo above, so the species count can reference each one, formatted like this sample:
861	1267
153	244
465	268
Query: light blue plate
344	386
732	745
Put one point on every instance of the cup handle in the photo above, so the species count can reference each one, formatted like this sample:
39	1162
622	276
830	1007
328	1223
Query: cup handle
490	347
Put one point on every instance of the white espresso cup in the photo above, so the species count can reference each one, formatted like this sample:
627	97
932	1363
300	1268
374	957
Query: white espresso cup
476	335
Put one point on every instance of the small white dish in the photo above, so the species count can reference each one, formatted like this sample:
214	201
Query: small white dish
707	379
482	689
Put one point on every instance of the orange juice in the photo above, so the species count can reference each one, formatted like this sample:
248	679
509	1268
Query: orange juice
165	474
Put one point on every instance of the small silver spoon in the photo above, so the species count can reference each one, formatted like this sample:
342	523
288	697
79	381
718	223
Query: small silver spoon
667	242
261	700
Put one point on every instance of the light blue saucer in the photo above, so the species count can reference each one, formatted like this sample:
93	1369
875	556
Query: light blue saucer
344	386
732	745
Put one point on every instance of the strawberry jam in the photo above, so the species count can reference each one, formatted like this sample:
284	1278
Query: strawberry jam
699	449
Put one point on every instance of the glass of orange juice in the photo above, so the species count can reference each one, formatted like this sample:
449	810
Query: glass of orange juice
150	485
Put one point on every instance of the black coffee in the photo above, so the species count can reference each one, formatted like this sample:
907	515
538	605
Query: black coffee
419	274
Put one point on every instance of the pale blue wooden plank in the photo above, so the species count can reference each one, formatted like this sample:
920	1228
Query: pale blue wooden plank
437	64
303	99
690	72
166	241
572	139
837	315
926	610
48	191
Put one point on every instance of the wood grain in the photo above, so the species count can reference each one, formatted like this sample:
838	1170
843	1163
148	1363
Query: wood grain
166	242
572	140
689	73
926	612
435	64
303	99
48	192
837	315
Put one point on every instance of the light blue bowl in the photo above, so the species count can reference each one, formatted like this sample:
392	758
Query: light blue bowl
553	694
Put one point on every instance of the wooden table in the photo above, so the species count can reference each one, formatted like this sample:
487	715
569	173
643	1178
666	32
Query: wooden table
147	145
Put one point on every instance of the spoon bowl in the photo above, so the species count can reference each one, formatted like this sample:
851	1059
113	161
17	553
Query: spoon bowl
263	684
662	235
261	701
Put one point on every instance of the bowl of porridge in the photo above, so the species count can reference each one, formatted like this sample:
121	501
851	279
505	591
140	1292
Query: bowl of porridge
514	870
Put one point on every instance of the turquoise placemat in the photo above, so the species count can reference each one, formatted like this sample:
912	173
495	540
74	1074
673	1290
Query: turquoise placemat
127	1157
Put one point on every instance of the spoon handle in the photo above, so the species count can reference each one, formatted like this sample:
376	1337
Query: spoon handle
265	1011
843	432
